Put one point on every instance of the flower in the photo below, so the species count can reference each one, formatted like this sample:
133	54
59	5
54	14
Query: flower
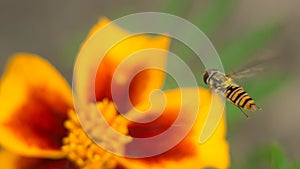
39	127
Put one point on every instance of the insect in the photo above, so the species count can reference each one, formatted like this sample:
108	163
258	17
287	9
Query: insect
223	84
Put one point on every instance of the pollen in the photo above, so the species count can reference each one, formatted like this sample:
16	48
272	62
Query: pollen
82	143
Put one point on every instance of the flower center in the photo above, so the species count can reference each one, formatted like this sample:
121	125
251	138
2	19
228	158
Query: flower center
80	145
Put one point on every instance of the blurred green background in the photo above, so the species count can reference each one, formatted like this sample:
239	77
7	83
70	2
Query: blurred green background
240	30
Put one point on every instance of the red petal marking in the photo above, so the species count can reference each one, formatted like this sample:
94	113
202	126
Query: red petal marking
185	149
35	163
144	130
139	87
103	80
40	121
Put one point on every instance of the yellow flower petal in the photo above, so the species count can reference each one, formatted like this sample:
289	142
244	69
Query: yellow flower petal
34	100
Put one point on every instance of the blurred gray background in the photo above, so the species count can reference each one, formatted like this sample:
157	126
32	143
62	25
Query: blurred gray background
54	29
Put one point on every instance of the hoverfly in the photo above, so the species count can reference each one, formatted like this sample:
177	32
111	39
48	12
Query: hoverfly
223	84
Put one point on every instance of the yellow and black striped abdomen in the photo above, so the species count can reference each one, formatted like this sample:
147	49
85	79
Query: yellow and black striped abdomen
239	97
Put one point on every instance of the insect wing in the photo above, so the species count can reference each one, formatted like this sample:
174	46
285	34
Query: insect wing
246	73
254	68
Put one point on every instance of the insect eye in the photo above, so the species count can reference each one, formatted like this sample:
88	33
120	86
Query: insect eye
205	77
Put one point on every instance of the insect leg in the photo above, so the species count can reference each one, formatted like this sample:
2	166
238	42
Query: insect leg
244	112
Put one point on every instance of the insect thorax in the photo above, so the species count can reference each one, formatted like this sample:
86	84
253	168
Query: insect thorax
219	82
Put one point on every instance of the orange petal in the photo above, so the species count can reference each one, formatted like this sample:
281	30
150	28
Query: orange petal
34	100
9	160
188	153
119	55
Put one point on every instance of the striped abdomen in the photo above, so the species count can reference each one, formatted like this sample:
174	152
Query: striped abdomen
238	96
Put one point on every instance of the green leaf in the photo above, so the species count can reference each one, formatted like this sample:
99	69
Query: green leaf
271	155
175	7
213	15
268	156
296	165
240	49
278	159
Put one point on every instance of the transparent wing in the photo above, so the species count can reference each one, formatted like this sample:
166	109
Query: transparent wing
254	68
245	73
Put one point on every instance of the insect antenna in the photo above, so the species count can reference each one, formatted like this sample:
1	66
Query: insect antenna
244	112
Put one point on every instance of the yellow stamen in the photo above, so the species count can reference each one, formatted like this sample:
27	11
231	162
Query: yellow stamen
81	149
